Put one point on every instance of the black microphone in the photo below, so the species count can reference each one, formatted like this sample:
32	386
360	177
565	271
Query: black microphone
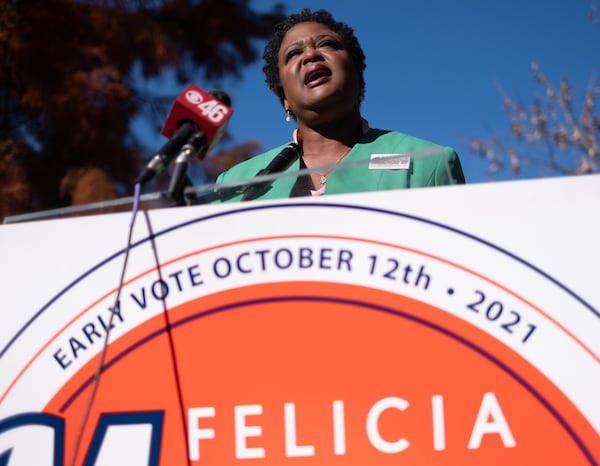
179	178
193	111
167	152
280	163
197	146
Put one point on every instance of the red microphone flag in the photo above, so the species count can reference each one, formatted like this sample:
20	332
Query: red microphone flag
201	108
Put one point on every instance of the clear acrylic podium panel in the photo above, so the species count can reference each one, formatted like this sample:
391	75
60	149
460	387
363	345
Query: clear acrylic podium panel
204	194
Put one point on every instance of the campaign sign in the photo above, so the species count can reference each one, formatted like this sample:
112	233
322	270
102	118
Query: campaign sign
453	325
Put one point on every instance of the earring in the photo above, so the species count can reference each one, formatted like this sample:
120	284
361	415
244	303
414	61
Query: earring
288	116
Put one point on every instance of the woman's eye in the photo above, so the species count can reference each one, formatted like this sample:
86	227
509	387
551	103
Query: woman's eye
329	43
292	53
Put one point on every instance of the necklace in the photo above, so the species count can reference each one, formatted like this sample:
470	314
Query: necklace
323	175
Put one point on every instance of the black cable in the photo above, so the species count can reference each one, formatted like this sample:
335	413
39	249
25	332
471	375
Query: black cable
96	383
170	335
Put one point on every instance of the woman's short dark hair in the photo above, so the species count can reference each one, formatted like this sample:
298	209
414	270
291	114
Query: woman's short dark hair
270	55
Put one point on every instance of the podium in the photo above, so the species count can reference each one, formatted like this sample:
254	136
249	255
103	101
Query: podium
451	325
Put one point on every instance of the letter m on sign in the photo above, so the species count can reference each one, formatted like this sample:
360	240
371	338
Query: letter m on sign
37	439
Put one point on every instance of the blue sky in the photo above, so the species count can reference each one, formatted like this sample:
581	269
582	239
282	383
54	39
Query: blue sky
435	67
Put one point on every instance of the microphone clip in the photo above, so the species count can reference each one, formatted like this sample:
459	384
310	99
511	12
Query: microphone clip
280	163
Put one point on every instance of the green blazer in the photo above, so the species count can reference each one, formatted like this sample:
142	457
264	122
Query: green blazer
440	168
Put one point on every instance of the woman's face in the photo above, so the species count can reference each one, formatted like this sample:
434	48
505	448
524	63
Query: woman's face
318	76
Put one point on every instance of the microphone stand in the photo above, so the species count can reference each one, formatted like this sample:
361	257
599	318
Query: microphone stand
179	179
177	195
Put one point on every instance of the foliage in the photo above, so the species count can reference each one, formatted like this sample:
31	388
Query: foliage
549	133
74	74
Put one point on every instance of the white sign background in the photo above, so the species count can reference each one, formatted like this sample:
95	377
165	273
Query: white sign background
532	245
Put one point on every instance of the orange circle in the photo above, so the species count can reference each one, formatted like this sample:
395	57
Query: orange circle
309	346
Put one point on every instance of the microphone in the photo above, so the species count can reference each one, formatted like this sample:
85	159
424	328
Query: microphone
193	111
280	163
179	179
196	147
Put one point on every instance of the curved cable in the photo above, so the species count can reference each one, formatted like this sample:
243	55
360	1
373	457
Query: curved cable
169	332
96	382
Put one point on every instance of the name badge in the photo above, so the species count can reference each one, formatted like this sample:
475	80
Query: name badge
389	162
